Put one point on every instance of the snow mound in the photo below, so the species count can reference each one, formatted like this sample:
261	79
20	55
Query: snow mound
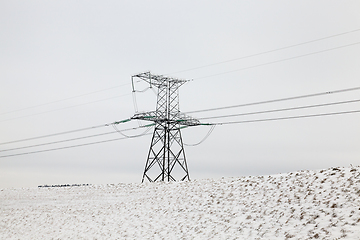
322	204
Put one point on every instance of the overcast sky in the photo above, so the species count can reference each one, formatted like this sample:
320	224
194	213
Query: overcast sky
66	65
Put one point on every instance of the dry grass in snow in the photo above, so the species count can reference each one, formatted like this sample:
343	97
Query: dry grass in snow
322	204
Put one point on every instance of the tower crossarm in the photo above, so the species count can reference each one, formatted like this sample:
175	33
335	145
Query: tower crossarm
159	80
148	116
187	120
181	119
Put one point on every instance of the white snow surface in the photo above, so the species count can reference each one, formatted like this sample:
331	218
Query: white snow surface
321	204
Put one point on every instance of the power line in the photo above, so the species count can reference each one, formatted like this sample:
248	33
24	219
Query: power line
287	118
55	134
190	69
278	100
202	140
282	109
54	110
277	61
265	52
219	123
197	111
133	136
78	138
61	141
60	148
248	56
205	110
44	104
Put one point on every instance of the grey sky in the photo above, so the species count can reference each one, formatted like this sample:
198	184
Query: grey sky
54	50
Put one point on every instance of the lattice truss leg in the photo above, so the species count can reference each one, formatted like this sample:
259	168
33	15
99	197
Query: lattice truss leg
166	159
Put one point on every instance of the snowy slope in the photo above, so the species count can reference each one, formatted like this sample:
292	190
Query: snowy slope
321	204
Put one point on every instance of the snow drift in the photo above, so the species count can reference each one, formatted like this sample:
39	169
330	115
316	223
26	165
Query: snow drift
322	204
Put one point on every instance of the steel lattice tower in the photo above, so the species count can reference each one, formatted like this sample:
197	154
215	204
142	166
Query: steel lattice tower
166	158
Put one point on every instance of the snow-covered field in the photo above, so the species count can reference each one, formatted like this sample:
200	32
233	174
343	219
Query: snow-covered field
322	204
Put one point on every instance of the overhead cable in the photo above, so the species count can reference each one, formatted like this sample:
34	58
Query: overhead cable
71	139
64	99
198	111
133	136
252	55
265	52
66	132
206	136
287	118
278	100
277	61
282	109
219	123
60	148
190	69
61	141
208	65
64	108
54	134
135	102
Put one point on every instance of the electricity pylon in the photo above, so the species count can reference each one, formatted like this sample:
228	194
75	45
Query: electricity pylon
166	158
